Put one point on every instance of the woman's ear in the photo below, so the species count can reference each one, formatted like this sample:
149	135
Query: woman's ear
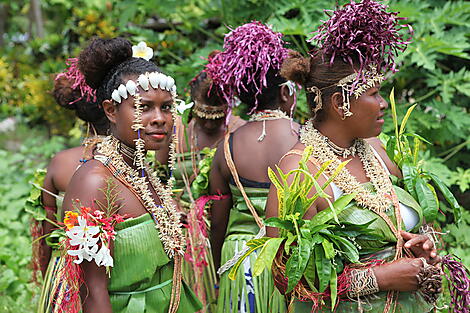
284	95
336	101
110	109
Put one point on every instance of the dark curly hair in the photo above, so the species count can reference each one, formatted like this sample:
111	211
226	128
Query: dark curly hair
314	71
106	62
88	111
269	96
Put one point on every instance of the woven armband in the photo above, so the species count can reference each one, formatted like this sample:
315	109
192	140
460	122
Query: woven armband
362	282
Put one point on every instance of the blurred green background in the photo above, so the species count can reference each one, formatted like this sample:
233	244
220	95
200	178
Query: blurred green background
37	36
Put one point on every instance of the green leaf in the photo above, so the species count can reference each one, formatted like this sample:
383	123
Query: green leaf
409	177
290	239
266	256
328	249
394	116
327	214
278	223
448	196
405	119
426	200
253	245
309	273
346	247
297	262
333	288
323	266
273	178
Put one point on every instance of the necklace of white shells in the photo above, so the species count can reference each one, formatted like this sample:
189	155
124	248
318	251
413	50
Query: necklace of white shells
111	151
385	194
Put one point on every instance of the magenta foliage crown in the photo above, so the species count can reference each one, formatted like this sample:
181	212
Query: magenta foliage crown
250	51
73	74
364	32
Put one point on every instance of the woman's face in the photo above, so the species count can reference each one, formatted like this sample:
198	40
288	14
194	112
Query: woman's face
156	118
368	112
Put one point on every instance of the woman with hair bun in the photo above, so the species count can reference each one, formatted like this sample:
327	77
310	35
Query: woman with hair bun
249	69
124	244
342	78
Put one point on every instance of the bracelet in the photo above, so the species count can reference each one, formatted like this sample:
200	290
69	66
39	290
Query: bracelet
429	282
362	282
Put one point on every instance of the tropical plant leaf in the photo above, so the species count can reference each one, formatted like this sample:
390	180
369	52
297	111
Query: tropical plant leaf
405	120
327	214
333	289
409	177
310	271
278	223
266	256
253	245
328	249
297	262
323	266
426	200
457	209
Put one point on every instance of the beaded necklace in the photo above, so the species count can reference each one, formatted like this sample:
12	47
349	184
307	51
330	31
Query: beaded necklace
166	216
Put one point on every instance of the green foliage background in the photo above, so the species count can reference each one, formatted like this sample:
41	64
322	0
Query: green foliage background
434	73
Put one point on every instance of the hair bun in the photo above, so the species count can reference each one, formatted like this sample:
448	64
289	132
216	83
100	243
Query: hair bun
101	55
296	68
63	93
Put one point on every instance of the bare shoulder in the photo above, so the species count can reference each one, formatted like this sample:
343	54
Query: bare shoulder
72	155
377	144
87	184
235	122
219	162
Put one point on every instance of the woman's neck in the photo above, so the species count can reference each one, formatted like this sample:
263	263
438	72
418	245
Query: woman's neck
337	134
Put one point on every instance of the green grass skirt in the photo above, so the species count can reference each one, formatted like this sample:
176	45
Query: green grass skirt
234	295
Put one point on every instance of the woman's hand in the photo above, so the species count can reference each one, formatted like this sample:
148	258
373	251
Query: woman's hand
421	246
399	275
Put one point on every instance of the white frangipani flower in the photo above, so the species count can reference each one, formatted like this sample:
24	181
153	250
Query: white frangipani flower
142	51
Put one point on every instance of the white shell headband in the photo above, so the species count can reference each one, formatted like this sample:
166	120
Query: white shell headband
154	79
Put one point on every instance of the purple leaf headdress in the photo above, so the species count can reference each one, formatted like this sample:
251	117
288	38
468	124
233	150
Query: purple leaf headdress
365	32
77	79
250	51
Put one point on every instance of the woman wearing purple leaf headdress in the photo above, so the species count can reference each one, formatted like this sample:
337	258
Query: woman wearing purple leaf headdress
248	68
342	78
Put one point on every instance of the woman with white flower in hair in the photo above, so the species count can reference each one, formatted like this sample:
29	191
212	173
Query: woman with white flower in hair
138	268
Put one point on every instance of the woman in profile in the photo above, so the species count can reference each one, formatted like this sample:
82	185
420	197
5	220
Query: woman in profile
343	91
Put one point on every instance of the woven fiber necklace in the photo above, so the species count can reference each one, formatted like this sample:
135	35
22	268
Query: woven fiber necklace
268	115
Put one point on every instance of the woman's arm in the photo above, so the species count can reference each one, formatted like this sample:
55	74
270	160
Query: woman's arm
86	186
220	210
